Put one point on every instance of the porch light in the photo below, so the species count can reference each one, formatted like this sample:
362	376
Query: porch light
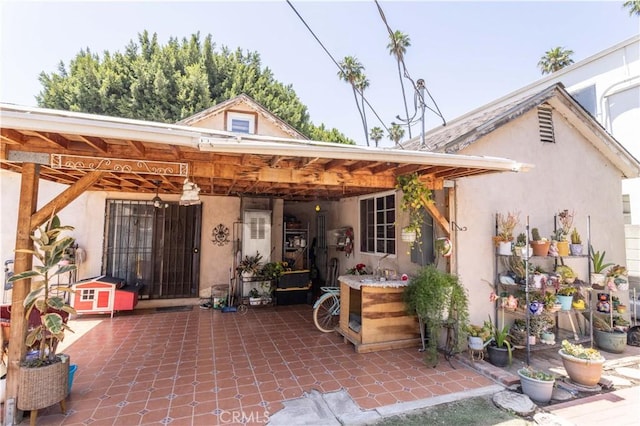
157	201
190	193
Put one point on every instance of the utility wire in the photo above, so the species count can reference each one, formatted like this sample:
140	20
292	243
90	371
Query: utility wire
406	72
337	64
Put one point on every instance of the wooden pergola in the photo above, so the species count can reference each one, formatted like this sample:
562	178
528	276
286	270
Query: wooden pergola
97	153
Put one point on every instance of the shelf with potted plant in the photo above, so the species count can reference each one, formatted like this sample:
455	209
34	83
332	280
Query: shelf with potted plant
524	276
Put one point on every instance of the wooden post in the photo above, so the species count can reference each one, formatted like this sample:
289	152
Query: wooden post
23	262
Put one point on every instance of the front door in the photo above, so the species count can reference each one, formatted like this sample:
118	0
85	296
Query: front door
156	247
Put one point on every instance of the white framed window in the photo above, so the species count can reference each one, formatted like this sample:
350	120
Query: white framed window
239	122
87	294
377	224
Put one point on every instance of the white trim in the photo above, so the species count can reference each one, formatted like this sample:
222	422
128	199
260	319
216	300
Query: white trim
249	118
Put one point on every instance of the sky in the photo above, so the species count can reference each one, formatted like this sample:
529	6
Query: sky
468	53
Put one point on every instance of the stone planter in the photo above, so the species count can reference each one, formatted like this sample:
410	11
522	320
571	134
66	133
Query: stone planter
537	390
586	372
610	341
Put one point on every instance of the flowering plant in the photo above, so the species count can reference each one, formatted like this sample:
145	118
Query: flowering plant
359	269
566	222
506	224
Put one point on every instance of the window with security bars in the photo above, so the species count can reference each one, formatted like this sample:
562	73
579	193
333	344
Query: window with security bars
377	224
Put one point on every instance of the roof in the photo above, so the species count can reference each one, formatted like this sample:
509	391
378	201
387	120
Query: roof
251	103
131	155
464	131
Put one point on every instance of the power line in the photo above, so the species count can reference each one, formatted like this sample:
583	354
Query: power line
337	64
408	77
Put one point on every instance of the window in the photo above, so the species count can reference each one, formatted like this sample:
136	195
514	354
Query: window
377	224
241	122
87	294
587	98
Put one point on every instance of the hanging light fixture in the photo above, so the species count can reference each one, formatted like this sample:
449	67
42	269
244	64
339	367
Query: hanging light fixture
190	193
157	201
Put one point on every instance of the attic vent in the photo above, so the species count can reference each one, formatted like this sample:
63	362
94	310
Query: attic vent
545	122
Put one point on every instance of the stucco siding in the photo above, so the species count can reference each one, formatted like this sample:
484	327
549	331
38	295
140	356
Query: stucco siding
569	174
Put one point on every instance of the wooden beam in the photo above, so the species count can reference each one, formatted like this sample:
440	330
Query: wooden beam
23	262
439	218
12	136
138	146
96	143
65	198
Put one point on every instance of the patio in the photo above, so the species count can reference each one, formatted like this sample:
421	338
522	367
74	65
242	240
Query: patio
202	367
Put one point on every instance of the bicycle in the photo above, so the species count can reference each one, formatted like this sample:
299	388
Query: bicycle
326	310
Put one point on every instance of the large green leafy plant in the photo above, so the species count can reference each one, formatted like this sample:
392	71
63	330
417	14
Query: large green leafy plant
430	295
50	249
414	194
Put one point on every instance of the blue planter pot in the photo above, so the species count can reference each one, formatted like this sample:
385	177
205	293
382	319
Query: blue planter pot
565	301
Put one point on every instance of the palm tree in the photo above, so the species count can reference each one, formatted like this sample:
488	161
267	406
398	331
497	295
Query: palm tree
396	132
555	59
398	47
633	6
362	82
376	134
350	71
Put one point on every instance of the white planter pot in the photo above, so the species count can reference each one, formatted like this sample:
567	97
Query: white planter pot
476	343
504	248
537	390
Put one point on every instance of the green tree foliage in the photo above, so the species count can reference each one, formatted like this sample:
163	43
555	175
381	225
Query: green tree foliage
398	43
396	133
167	83
555	59
375	134
352	72
633	6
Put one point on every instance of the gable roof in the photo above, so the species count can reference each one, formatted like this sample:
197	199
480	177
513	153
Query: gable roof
251	103
464	131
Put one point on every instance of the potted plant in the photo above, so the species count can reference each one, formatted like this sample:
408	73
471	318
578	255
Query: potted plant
499	349
250	265
506	224
565	296
562	235
521	246
44	374
617	279
254	297
478	335
576	243
606	335
583	365
272	271
539	245
536	384
414	196
599	267
436	297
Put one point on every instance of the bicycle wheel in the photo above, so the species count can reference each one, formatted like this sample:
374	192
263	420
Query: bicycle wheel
327	313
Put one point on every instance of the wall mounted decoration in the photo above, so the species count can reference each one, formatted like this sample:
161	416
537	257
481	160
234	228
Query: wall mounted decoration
220	235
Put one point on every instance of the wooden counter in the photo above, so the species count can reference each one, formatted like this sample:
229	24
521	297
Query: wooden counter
384	323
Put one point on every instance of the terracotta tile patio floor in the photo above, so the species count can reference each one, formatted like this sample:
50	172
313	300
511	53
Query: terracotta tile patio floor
198	367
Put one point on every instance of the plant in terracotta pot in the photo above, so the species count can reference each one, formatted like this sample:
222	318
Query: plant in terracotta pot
536	384
599	267
583	365
539	245
44	374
